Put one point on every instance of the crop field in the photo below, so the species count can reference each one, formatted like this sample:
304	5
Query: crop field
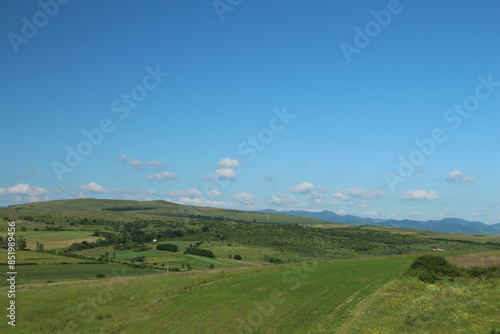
28	274
310	297
38	258
55	239
180	260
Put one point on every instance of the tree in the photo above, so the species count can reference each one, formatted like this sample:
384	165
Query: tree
211	266
167	247
237	257
21	243
199	252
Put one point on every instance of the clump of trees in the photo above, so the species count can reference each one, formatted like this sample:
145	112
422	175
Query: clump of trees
199	252
167	247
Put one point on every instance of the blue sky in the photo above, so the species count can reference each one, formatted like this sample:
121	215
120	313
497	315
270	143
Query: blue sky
385	109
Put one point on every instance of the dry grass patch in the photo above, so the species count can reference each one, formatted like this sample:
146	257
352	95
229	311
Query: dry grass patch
476	260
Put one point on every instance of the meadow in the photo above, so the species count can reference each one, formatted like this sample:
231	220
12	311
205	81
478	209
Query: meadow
317	297
456	305
100	272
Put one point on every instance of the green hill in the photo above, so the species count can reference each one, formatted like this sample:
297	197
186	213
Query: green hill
124	209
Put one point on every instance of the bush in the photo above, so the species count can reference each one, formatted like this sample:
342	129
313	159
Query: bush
199	252
237	257
429	268
167	247
100	275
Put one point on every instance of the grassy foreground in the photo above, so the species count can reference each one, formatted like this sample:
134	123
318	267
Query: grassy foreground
310	297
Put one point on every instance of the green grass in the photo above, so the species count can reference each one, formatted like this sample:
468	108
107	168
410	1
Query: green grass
275	299
38	257
55	239
408	305
96	208
69	272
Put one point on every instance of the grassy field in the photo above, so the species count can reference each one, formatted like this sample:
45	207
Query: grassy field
103	209
408	305
41	258
69	272
346	296
55	239
314	297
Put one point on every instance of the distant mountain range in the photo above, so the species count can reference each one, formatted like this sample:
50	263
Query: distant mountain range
444	225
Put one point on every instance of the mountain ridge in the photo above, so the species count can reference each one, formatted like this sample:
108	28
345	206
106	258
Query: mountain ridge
444	225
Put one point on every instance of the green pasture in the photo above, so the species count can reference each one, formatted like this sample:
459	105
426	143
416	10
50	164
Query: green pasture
29	274
55	239
314	298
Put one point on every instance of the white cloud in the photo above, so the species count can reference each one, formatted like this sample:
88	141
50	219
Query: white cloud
31	171
134	194
357	193
184	193
342	212
93	188
271	176
137	164
314	195
459	176
244	198
163	176
156	164
340	195
214	193
302	188
23	189
364	204
417	194
283	199
225	173
201	201
228	163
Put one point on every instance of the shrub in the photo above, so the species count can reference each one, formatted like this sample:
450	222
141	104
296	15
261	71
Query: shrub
100	275
483	272
429	268
237	257
167	247
199	252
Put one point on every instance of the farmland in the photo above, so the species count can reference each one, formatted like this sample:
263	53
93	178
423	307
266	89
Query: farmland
101	272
